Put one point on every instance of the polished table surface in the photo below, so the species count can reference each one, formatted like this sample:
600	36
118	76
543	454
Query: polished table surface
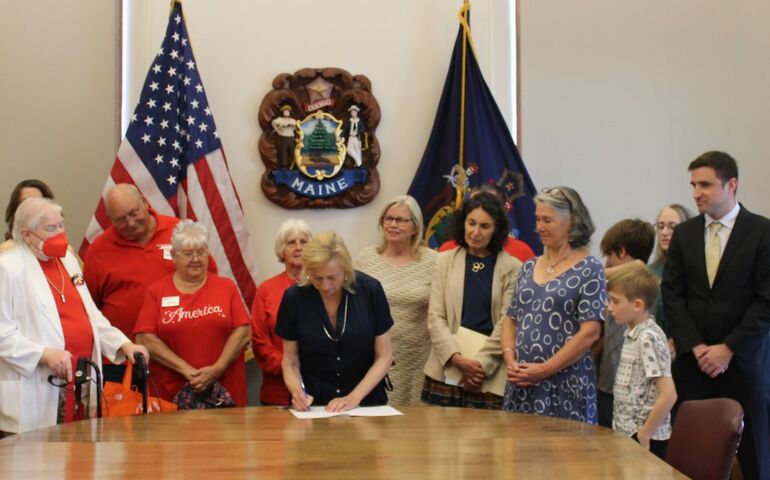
268	443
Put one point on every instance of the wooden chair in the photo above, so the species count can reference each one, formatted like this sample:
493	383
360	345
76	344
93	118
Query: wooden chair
705	437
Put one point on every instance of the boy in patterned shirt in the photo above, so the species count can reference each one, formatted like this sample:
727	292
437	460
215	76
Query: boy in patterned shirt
644	390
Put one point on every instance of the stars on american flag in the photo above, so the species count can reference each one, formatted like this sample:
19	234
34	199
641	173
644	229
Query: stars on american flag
158	156
172	94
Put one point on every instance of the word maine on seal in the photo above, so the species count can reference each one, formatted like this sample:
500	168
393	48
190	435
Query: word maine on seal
318	141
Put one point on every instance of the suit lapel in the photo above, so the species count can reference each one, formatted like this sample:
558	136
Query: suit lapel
698	244
496	288
457	277
740	229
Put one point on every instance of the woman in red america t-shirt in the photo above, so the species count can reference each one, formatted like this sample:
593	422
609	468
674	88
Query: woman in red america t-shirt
194	323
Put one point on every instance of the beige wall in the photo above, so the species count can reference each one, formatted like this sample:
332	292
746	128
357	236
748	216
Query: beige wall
616	96
57	100
403	46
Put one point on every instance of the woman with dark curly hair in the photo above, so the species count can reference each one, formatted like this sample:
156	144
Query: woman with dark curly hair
472	285
556	315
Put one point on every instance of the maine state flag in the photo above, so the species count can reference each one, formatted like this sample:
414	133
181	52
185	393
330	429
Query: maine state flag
470	144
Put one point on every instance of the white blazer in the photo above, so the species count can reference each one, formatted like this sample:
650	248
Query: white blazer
29	322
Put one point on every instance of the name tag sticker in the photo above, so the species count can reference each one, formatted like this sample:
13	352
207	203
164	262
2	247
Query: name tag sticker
166	248
169	301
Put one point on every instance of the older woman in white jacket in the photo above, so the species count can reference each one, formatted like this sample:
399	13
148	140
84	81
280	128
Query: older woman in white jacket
46	311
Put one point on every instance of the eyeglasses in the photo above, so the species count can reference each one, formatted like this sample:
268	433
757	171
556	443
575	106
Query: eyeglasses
400	221
661	226
189	254
123	219
558	191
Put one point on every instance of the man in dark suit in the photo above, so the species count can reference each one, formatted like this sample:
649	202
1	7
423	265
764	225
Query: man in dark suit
716	294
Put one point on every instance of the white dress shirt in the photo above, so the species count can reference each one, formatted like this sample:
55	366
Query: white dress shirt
727	221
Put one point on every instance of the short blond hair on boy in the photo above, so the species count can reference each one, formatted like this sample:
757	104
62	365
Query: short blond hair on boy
635	281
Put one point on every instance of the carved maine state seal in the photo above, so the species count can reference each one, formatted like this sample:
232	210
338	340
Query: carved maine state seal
318	140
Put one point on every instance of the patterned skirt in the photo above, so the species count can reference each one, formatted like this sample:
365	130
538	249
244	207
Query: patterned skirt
438	393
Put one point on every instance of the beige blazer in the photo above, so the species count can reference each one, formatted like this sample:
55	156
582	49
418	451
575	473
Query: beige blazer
29	322
446	309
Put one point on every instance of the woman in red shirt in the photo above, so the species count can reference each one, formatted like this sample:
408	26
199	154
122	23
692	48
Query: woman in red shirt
291	238
194	323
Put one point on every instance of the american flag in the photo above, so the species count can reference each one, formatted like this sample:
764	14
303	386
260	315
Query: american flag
173	154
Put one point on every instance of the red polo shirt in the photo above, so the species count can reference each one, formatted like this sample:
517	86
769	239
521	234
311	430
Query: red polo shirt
118	272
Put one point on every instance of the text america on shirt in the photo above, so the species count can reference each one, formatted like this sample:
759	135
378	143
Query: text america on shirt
178	314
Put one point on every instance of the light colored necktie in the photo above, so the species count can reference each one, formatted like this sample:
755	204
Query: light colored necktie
713	251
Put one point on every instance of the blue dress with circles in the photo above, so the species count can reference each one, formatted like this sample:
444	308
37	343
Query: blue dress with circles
546	317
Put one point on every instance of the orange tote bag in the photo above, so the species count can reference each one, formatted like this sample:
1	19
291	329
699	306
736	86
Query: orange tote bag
122	399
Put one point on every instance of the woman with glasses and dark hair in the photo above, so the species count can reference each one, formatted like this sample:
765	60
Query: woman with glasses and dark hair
472	285
196	327
335	325
555	316
668	218
404	266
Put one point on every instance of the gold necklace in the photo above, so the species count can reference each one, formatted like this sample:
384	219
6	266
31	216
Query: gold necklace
549	269
60	291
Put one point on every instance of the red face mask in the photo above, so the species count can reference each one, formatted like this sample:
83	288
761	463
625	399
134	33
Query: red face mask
55	246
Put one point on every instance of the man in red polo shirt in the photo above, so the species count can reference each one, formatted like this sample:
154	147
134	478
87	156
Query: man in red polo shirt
128	257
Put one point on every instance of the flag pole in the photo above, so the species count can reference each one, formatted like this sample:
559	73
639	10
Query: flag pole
467	38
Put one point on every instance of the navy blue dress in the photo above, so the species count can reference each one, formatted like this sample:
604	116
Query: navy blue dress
546	317
329	368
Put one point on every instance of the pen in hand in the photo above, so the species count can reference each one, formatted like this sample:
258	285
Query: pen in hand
304	392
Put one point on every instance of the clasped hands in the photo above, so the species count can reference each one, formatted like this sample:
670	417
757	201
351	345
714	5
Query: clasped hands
202	378
524	374
471	370
713	360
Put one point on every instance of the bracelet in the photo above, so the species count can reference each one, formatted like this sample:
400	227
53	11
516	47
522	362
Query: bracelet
508	349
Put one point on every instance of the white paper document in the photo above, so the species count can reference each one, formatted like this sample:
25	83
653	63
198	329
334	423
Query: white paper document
320	412
469	343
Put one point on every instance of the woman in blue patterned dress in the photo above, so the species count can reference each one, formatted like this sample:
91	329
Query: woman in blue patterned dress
555	316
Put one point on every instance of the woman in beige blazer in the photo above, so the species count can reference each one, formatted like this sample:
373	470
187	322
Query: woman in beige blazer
472	285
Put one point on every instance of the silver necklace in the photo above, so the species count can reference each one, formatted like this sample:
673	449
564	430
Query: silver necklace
549	269
344	324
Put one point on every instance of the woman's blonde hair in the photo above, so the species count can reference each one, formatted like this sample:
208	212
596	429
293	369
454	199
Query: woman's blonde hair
322	249
418	242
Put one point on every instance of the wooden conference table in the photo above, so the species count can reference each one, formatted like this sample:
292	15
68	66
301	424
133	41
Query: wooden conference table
267	443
